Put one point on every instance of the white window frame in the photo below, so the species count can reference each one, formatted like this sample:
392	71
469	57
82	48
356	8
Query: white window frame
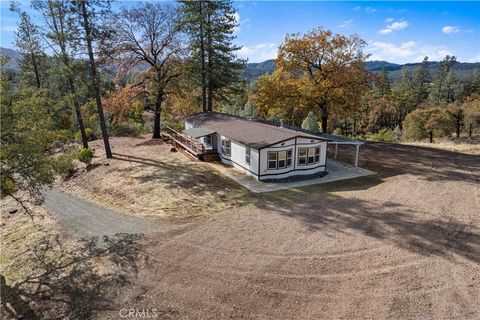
226	147
284	156
207	141
247	155
310	156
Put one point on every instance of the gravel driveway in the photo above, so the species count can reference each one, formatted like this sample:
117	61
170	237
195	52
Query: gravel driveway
87	219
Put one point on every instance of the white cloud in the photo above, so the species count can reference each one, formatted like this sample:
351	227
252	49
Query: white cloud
346	24
366	9
391	52
450	29
434	53
259	52
475	59
394	25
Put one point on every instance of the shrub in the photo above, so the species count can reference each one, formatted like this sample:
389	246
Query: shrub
337	132
384	135
64	165
124	129
310	122
89	133
85	155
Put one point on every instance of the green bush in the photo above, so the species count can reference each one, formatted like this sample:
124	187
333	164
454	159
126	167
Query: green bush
85	155
88	132
337	132
125	130
64	165
384	135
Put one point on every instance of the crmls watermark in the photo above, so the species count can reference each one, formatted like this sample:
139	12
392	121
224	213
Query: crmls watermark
134	313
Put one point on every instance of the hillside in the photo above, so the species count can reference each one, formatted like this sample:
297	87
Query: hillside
254	70
463	69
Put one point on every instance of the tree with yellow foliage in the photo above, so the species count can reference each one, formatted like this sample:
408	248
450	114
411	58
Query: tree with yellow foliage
319	70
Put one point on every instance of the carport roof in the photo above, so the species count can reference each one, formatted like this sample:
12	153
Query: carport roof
197	132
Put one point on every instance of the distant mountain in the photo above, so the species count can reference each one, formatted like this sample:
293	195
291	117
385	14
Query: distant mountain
463	69
13	54
254	70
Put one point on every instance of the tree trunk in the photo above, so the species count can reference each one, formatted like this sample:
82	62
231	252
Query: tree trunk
156	121
210	63
35	70
96	85
78	112
470	131
430	136
324	118
458	127
202	57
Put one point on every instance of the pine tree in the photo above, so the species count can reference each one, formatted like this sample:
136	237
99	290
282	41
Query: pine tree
86	14
440	79
62	38
420	82
210	26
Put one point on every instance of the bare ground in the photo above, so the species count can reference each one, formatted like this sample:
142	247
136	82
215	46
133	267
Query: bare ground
404	244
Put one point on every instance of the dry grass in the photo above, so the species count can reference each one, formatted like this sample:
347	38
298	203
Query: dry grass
146	179
462	145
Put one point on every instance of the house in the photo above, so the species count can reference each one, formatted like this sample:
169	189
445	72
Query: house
261	150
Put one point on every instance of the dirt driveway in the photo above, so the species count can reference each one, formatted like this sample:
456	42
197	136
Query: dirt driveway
404	244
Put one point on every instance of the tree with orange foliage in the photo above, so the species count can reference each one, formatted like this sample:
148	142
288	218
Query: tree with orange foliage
330	69
121	104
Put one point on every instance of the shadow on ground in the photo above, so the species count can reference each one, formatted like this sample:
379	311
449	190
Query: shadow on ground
72	283
389	221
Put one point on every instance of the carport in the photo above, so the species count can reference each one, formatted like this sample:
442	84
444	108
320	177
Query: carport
337	140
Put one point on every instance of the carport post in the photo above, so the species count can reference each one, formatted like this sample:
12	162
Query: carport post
336	149
356	155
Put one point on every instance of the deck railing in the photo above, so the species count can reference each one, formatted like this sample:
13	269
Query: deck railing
191	145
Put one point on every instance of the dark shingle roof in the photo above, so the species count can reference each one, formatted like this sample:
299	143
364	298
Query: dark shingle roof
197	132
251	133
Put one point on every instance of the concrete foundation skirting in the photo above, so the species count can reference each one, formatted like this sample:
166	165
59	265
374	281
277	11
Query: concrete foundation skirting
336	171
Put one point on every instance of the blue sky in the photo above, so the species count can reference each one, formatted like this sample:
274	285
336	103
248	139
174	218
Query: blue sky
395	31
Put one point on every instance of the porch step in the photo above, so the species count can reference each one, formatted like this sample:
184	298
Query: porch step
211	157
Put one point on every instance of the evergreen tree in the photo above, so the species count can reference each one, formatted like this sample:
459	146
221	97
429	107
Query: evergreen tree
440	80
87	14
420	82
28	41
210	26
310	122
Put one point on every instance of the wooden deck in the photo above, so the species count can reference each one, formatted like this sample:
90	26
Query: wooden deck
192	146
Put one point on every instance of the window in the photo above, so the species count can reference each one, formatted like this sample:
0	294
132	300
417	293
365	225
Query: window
207	141
226	147
279	159
289	158
308	156
302	156
247	155
272	160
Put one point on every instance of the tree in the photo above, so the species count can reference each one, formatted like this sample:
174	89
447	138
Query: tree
310	122
86	12
148	34
210	26
62	38
438	86
419	82
122	103
383	85
28	41
457	115
332	68
472	112
280	97
427	122
27	143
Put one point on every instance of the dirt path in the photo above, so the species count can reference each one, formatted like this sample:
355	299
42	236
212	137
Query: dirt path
404	244
87	219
